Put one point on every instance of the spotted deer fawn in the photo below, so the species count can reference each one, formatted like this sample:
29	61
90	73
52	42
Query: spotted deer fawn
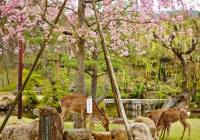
172	115
78	104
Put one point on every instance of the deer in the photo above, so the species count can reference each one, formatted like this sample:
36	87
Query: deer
173	115
155	116
78	103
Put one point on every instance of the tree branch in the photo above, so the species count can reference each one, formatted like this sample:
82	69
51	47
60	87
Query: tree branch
151	89
67	33
194	43
89	1
102	74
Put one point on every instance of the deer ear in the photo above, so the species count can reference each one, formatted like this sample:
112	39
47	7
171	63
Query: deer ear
106	115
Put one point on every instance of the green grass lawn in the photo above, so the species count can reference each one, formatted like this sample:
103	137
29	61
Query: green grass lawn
177	129
175	132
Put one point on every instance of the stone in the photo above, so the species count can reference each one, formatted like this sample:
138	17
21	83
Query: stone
119	121
20	131
101	135
149	123
119	133
145	120
50	125
4	103
76	134
140	130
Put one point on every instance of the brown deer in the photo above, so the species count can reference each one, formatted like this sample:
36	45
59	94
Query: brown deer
155	116
78	104
172	115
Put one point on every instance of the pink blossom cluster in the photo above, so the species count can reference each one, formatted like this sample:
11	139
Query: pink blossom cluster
119	23
1	51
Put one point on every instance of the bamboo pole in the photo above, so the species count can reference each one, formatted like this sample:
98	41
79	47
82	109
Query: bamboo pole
112	75
33	66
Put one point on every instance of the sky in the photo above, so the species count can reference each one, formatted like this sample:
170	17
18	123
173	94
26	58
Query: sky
195	3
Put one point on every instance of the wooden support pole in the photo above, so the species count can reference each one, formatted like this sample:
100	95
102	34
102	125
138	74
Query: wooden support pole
33	67
90	126
113	80
89	111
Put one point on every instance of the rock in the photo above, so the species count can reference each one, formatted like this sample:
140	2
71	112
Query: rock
101	135
119	133
140	130
145	120
50	124
119	121
4	103
38	90
169	103
149	123
20	131
76	134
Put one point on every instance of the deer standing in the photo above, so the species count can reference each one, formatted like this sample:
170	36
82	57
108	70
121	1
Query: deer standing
172	115
155	116
78	104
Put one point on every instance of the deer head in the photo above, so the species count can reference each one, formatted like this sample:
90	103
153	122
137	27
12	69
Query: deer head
105	121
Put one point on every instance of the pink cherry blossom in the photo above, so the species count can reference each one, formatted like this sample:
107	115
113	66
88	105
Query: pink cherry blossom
73	41
173	33
180	18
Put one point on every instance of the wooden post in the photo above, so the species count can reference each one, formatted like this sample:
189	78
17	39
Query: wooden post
33	66
89	110
20	68
90	126
113	80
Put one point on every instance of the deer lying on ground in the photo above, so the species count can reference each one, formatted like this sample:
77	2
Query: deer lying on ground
155	116
78	104
172	115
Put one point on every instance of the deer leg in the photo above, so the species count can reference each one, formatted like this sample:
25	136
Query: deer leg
83	115
93	125
188	125
163	131
168	129
185	124
63	113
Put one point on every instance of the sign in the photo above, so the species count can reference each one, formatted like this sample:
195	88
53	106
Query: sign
89	105
46	127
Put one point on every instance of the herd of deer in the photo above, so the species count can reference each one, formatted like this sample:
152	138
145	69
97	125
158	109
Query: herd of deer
162	118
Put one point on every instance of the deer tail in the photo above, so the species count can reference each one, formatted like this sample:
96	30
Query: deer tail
188	113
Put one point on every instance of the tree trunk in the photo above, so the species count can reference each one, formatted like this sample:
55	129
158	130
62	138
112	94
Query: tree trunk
8	81
105	90
80	78
57	63
183	98
94	75
194	86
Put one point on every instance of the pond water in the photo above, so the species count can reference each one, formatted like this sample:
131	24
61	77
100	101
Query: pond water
110	109
132	114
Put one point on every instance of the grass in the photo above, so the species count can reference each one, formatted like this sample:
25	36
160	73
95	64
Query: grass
175	132
13	119
177	129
